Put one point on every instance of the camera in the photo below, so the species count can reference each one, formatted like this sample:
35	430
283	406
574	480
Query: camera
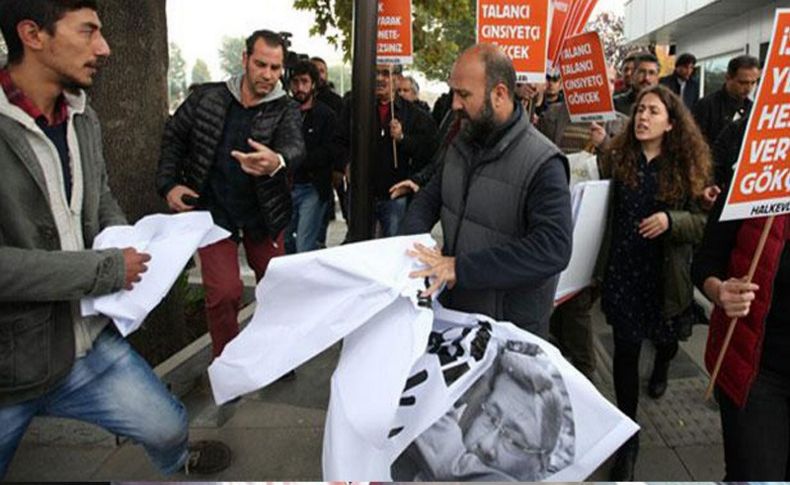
292	58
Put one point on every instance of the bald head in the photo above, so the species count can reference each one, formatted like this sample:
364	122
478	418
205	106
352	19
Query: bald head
483	82
497	67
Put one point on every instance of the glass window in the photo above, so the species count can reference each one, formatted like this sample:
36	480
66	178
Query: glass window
714	70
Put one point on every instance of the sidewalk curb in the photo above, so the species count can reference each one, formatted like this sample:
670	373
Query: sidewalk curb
184	358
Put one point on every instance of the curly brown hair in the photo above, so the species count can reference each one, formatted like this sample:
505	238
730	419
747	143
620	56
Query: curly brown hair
687	168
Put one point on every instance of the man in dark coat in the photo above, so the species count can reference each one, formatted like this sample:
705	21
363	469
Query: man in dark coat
731	102
503	201
312	182
414	134
228	149
646	69
682	81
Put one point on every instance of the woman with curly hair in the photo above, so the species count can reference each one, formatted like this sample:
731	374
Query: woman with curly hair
660	166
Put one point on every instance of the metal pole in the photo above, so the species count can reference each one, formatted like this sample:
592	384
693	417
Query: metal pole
363	148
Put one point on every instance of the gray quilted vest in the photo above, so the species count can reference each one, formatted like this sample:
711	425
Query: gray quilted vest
484	205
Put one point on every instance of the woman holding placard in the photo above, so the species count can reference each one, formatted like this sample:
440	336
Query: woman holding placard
753	385
660	166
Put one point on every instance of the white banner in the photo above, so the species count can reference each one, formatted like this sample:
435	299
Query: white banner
428	389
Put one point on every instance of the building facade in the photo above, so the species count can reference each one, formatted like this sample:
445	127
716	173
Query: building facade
713	30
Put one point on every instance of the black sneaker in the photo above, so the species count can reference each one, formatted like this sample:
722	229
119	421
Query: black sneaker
207	458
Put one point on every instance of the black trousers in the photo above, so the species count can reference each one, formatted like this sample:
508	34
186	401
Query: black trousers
626	371
757	437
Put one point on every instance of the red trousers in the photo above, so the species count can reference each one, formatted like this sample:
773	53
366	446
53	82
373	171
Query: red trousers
219	265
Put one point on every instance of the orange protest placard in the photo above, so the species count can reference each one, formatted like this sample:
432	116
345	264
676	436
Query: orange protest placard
394	39
584	80
761	185
520	29
585	9
560	10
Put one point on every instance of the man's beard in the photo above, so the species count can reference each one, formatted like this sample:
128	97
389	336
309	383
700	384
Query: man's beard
479	130
302	98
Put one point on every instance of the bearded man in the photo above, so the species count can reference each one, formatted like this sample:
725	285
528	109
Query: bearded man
503	201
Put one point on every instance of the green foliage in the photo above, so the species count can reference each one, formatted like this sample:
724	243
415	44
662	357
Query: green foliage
230	55
176	76
442	29
200	72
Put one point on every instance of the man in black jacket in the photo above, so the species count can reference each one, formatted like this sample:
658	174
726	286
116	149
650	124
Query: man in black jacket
324	90
731	102
682	81
228	149
312	182
414	135
645	75
503	201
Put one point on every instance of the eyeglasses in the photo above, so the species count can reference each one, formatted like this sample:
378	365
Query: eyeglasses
512	440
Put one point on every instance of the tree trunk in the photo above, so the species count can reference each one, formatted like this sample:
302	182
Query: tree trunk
130	96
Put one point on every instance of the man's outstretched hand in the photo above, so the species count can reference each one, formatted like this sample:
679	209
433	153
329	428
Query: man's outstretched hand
441	269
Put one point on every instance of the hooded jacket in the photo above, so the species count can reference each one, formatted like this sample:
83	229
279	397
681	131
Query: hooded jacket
46	269
192	134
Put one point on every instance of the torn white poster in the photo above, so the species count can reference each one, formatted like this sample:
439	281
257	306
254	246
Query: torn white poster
419	393
170	240
309	301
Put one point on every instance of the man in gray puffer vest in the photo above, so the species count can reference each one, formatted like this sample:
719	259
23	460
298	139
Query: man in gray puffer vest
228	149
503	200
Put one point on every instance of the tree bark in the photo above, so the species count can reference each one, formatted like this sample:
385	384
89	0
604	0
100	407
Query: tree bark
130	97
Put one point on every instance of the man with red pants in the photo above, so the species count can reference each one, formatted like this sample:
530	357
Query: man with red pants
228	149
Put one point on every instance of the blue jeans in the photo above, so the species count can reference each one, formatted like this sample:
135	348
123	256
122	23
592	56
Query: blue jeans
390	213
307	220
112	387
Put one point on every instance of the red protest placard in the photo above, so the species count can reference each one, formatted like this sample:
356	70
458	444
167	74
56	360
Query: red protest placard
584	80
560	10
584	11
578	16
519	28
761	185
394	39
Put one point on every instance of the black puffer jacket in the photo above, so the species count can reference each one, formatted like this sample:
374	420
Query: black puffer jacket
191	137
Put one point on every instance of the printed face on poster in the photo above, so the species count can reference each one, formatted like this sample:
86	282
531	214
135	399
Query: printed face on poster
588	96
520	29
761	185
394	38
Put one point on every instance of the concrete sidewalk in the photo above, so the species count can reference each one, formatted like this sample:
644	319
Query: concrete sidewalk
276	433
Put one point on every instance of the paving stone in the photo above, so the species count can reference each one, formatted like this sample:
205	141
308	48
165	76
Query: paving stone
681	416
703	462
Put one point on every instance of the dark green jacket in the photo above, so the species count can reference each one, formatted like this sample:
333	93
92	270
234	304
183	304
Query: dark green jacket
40	285
687	224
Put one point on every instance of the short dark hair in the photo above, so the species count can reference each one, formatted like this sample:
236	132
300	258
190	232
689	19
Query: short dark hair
685	59
305	67
499	69
744	61
645	57
272	39
45	14
631	57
